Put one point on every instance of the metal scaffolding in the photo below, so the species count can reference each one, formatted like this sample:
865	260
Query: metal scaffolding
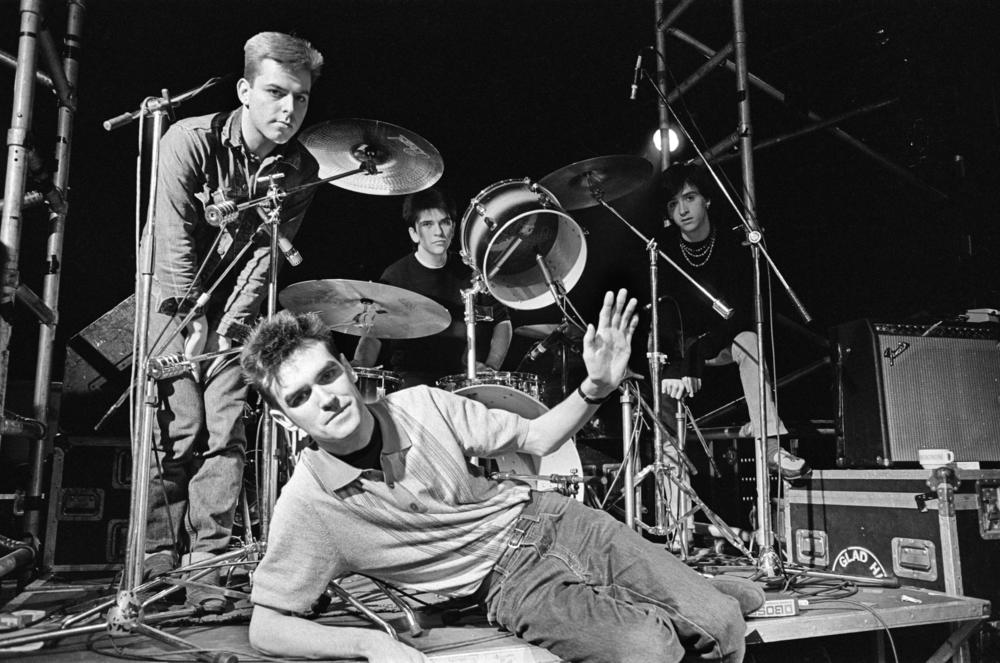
24	162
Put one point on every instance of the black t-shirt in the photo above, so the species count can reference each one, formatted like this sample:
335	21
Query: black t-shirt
443	353
726	270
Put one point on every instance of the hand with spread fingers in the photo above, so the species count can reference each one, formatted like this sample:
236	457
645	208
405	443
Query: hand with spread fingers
607	347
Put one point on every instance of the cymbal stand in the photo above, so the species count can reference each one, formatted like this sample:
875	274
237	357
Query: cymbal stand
476	286
656	360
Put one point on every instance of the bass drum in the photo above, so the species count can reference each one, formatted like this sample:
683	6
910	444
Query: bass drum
564	460
375	384
510	224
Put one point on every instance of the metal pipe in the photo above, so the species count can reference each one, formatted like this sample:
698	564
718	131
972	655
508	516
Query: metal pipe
16	178
40	76
840	134
54	255
709	66
64	89
665	22
663	111
31	199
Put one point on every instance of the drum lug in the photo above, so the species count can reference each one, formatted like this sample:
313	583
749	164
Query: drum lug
481	211
543	196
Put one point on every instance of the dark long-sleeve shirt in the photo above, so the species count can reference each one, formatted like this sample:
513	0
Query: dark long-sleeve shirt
203	161
728	275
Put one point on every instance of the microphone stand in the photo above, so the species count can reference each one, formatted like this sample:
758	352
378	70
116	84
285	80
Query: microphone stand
769	562
656	359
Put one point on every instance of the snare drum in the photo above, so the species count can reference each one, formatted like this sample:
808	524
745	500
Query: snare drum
375	384
507	227
527	383
564	461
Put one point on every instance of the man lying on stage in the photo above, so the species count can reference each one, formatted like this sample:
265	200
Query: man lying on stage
385	490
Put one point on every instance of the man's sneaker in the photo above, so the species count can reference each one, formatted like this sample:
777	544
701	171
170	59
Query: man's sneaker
158	564
208	596
788	465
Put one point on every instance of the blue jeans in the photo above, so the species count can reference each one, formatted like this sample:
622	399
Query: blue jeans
200	440
587	588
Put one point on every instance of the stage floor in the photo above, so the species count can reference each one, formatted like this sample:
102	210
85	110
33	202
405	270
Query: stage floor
932	616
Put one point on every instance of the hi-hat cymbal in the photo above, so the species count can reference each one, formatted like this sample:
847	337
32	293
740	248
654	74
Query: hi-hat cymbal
582	184
364	308
398	161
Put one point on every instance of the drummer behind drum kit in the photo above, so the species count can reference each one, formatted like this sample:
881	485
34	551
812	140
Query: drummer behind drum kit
520	242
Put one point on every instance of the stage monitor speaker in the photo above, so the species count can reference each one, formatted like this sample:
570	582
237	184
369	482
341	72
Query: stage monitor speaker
97	372
905	387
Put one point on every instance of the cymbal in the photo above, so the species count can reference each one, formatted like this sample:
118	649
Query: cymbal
364	308
581	184
398	161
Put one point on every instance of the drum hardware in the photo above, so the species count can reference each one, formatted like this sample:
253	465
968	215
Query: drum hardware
364	308
526	383
594	182
372	157
564	460
511	228
374	384
567	484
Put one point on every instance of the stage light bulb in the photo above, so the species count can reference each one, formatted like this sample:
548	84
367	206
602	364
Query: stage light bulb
674	140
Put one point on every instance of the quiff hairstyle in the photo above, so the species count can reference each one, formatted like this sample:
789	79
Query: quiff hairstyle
288	51
274	341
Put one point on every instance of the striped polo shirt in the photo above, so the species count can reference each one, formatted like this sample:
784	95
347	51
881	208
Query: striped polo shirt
428	521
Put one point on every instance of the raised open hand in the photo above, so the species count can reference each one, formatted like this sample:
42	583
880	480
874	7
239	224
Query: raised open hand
607	347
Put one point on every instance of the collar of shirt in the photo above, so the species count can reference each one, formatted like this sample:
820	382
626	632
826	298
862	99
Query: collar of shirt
232	137
335	474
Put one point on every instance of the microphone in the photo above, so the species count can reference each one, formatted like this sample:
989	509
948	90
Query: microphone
222	213
291	254
543	345
169	366
635	76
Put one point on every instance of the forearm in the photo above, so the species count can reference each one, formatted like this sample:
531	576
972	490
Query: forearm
549	431
282	635
499	344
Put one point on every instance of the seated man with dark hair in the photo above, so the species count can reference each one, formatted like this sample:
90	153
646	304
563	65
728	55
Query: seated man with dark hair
435	272
693	334
385	490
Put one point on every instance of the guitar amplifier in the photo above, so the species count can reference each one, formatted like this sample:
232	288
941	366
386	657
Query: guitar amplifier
906	387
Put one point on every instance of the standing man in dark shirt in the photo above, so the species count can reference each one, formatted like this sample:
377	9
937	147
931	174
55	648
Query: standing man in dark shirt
435	273
691	333
200	440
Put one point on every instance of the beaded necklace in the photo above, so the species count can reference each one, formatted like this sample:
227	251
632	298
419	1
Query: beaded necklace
698	254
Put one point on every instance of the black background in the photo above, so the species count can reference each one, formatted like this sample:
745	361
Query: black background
512	89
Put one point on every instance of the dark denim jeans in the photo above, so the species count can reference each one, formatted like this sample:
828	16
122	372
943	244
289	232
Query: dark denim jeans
200	440
587	588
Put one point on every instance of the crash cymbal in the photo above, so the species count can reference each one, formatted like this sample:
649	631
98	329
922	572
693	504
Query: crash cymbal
398	161
364	308
581	184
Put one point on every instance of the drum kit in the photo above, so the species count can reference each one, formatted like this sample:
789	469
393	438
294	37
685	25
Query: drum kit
518	238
